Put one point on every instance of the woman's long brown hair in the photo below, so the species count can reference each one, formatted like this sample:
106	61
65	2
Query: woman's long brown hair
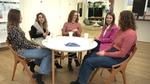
14	16
127	20
71	14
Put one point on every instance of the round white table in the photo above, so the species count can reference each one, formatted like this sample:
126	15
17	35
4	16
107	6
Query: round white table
67	44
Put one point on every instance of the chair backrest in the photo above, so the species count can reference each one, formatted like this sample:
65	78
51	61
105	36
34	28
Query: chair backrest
10	47
30	34
125	62
13	51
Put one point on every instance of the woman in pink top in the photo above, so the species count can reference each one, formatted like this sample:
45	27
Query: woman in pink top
125	39
72	26
108	33
107	36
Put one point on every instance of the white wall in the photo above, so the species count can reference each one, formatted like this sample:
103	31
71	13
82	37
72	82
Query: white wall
119	5
56	12
143	30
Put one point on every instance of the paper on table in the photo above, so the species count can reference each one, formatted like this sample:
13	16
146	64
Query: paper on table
71	44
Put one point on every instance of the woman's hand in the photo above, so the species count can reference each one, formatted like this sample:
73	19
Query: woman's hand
44	35
75	30
101	53
97	38
38	47
47	33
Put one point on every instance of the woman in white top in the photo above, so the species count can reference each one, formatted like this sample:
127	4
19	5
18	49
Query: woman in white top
39	30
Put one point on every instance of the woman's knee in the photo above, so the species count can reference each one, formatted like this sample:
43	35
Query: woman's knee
88	61
48	51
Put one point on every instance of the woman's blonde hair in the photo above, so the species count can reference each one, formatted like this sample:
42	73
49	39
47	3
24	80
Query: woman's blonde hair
45	25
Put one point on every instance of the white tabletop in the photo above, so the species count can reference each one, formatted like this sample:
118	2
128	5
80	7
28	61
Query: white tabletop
59	43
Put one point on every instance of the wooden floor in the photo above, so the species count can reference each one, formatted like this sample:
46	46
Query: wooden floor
138	69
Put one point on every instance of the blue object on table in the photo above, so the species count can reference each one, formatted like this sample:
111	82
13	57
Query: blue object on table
71	44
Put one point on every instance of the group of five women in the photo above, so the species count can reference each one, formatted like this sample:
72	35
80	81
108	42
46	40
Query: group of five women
114	42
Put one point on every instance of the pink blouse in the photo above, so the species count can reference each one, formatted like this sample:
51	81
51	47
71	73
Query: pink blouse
68	26
107	39
123	42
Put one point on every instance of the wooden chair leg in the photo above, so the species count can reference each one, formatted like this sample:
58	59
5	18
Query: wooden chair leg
110	72
14	70
93	74
29	72
60	61
101	72
123	76
80	56
114	77
110	78
23	68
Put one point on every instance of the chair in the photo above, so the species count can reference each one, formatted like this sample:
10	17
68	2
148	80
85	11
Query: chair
80	57
60	56
121	67
23	61
30	36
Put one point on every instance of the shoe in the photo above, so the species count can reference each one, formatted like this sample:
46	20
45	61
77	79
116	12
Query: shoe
38	78
72	54
39	81
58	66
70	64
31	65
70	67
74	82
37	62
77	63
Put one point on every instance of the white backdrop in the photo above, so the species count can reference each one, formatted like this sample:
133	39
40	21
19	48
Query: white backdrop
56	12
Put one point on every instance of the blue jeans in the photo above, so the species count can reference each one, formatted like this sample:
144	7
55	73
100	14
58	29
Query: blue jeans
43	54
92	61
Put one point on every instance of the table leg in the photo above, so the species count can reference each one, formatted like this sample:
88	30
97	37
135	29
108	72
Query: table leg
53	68
80	56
